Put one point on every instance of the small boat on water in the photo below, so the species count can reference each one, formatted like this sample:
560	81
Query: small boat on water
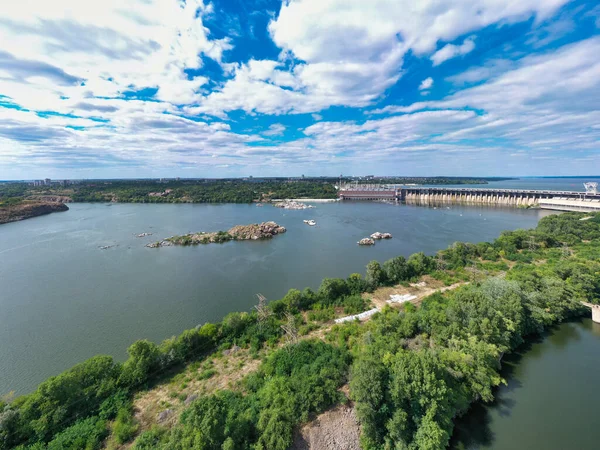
310	222
259	204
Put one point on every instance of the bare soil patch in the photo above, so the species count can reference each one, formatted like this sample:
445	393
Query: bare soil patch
335	429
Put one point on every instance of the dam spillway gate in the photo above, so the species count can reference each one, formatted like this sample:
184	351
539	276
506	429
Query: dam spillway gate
588	201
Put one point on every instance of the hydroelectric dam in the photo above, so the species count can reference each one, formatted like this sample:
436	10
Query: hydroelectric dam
587	201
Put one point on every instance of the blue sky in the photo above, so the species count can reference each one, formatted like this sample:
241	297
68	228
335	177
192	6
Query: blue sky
192	88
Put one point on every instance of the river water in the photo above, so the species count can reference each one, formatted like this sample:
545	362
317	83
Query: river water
63	299
550	400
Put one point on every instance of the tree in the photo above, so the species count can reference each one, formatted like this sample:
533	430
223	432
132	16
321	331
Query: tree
356	283
420	264
375	276
332	289
396	269
262	311
144	358
290	329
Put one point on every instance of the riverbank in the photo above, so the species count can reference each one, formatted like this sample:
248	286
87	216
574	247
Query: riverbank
28	210
523	415
516	284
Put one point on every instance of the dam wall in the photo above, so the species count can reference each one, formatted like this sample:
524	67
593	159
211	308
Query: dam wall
435	196
473	198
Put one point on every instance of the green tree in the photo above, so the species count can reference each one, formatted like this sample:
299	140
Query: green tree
397	270
420	264
144	359
332	289
375	276
356	284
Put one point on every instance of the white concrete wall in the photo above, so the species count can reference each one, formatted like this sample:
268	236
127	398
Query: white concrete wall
567	204
596	314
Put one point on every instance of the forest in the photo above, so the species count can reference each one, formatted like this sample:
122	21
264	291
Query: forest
173	191
411	370
233	190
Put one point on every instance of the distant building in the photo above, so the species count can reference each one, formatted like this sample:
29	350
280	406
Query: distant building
47	182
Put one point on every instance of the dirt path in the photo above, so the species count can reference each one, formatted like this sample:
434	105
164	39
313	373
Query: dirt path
424	288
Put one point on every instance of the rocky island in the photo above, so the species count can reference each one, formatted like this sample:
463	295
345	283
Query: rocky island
27	210
254	232
291	204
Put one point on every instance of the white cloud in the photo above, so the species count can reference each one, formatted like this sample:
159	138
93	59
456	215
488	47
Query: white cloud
111	45
276	129
490	69
426	84
450	51
545	104
334	52
351	51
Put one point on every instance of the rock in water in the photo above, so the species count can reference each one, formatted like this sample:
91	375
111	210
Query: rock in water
256	231
366	241
377	235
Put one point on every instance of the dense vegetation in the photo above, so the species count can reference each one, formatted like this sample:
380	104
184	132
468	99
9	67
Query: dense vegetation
12	193
234	190
291	384
411	370
184	191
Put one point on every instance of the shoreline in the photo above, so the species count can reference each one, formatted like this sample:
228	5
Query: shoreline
26	211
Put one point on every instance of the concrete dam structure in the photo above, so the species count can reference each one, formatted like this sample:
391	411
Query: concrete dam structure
595	311
588	201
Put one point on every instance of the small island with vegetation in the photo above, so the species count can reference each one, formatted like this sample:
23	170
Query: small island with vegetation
254	232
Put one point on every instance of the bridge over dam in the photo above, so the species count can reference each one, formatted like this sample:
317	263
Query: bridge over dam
588	201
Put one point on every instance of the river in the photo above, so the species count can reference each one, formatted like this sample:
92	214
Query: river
550	400
63	299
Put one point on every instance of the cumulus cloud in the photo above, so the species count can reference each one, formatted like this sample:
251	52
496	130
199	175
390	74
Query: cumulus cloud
542	103
110	46
346	53
276	129
450	51
349	52
426	84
